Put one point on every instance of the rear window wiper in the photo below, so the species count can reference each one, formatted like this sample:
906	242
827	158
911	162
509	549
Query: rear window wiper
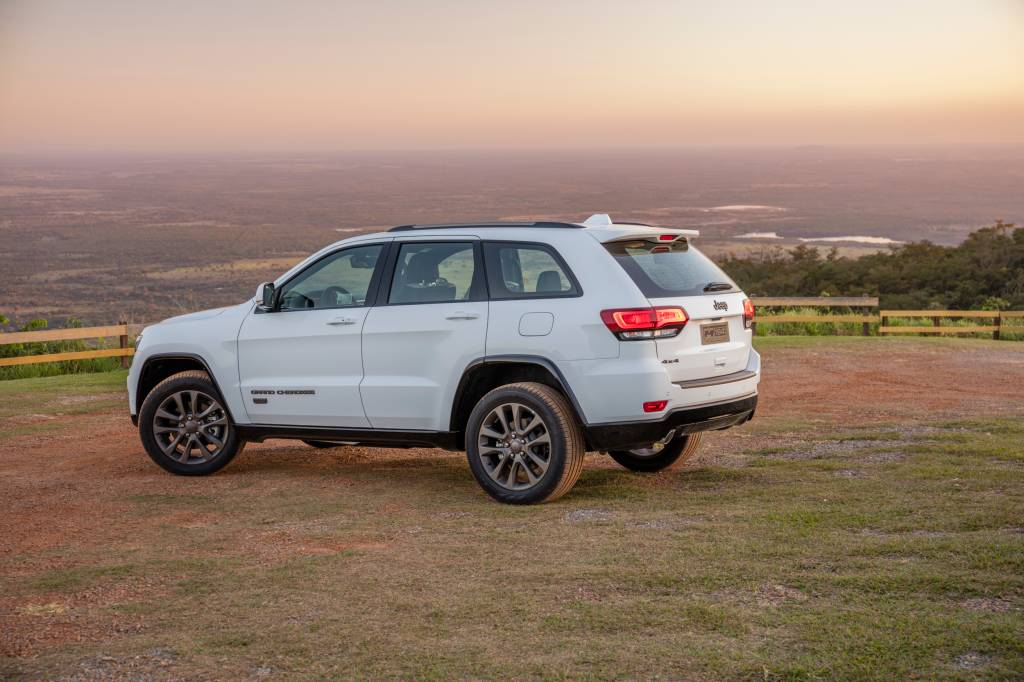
717	286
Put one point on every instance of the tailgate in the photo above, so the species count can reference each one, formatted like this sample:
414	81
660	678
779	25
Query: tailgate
669	271
713	342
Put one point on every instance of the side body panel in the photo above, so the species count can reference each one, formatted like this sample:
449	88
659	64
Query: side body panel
303	367
414	353
414	356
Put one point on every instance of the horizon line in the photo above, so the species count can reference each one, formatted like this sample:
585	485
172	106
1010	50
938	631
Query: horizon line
508	150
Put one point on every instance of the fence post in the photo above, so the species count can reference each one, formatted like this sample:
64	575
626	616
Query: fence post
865	327
995	332
885	323
936	322
124	343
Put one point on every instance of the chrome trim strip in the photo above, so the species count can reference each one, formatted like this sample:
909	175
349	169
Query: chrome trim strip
717	381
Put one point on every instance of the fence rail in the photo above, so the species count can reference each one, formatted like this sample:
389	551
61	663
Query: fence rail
938	328
119	330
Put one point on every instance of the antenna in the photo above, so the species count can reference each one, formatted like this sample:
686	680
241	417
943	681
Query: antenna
598	220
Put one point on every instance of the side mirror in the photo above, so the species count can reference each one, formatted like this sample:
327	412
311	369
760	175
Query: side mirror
364	261
265	296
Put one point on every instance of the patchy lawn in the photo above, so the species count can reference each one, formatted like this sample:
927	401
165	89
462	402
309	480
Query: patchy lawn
868	524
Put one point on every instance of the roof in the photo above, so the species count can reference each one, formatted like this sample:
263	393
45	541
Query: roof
600	225
441	226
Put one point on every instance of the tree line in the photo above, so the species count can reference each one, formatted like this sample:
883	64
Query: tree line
984	272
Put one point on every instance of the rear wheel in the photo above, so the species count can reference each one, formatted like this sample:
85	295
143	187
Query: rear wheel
185	428
659	456
524	444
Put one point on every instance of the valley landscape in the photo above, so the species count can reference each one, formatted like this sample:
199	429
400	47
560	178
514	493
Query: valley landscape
140	237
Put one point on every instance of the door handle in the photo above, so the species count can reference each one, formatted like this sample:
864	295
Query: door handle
341	320
461	315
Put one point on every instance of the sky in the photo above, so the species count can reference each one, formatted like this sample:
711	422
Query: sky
263	75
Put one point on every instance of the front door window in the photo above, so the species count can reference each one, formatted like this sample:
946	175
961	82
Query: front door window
340	280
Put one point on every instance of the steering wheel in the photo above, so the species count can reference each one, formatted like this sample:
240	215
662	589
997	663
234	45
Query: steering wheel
329	297
293	300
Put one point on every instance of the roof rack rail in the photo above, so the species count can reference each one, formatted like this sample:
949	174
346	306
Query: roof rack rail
448	226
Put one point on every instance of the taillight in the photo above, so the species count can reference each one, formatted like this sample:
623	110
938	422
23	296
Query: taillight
637	324
748	313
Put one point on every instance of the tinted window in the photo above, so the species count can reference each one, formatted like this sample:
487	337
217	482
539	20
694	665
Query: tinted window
433	273
526	271
675	269
337	281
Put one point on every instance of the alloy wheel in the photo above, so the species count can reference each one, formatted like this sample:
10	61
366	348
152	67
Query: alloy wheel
191	427
514	446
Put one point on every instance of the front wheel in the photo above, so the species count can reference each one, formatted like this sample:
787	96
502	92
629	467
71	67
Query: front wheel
185	428
659	456
524	444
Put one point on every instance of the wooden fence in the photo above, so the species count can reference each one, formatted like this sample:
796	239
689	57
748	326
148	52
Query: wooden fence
119	330
863	311
996	318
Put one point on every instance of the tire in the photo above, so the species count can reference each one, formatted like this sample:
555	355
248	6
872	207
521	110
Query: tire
183	447
677	451
321	444
540	459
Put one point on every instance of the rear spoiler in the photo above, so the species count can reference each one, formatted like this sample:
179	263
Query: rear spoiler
603	230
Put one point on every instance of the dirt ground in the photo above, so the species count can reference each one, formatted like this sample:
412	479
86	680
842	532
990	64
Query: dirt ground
297	562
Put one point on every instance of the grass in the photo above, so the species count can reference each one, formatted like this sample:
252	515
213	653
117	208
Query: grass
35	406
853	553
784	572
875	342
21	396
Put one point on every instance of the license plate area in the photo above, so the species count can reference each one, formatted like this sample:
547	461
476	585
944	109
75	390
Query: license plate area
717	332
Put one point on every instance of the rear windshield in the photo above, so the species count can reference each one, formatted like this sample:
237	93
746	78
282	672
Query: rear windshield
674	269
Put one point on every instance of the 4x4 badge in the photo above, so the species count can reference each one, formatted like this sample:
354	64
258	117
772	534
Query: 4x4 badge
721	305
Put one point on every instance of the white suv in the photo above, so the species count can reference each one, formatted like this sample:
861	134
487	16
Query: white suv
524	344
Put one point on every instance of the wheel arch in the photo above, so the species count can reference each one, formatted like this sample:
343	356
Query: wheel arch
158	367
485	374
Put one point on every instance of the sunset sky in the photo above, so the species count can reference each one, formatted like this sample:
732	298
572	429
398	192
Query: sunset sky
132	75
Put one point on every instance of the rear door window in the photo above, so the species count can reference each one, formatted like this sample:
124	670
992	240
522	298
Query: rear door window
436	272
663	270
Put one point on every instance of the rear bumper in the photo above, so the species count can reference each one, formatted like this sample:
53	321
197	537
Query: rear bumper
713	417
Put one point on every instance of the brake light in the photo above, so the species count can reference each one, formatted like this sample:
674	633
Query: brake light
655	406
748	313
666	237
637	324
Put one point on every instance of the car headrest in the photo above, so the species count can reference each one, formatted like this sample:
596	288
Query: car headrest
549	281
421	268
